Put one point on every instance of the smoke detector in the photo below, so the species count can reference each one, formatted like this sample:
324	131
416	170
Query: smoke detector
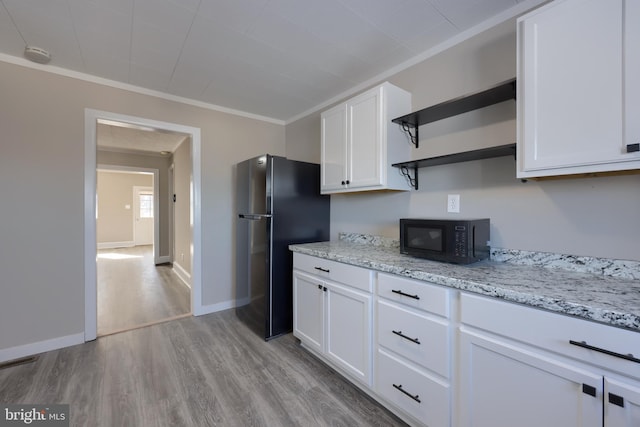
37	54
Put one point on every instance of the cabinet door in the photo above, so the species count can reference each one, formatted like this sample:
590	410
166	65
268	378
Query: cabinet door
365	125
570	88
308	310
333	169
503	385
632	72
622	404
349	330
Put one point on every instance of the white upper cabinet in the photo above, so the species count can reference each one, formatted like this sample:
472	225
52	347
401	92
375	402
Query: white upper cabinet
359	142
579	88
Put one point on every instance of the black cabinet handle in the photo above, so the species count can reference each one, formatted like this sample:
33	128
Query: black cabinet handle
583	344
399	333
324	288
320	287
616	400
344	183
399	292
588	389
632	148
326	270
347	181
416	397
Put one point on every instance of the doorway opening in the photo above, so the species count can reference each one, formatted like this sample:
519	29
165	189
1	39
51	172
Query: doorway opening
149	254
135	288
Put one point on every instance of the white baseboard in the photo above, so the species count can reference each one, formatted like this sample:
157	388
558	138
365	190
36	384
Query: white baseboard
115	245
182	274
163	259
213	308
25	350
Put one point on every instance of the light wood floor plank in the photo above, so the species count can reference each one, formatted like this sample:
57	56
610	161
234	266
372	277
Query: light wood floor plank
133	291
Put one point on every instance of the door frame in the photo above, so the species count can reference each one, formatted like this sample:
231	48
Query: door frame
91	118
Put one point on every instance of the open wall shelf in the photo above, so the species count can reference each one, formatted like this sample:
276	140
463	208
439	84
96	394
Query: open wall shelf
465	156
494	95
499	93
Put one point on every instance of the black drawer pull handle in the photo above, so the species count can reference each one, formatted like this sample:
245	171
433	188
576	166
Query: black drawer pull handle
589	389
632	148
326	270
416	397
399	292
616	400
583	344
399	333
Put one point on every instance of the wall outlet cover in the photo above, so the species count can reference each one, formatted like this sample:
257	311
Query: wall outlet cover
453	203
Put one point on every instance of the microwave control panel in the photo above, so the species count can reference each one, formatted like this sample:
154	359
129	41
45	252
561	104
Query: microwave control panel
460	241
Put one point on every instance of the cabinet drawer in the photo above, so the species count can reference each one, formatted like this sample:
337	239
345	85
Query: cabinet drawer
353	276
421	339
424	398
553	331
414	293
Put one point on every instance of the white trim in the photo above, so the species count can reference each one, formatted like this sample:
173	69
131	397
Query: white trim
15	60
156	201
512	12
182	274
90	166
164	259
25	350
115	245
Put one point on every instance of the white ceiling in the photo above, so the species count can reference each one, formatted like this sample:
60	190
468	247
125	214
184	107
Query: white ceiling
271	58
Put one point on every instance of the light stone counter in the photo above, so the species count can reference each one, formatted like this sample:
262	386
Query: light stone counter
564	284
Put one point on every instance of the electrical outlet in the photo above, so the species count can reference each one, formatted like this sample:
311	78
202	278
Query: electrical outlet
453	203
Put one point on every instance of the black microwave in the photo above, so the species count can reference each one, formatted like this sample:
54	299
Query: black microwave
459	241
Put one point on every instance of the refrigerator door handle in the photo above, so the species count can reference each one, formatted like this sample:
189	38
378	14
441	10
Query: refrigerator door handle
254	217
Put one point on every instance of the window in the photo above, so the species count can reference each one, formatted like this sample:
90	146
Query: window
146	205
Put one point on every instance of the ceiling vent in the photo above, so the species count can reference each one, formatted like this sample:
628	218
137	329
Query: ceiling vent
36	54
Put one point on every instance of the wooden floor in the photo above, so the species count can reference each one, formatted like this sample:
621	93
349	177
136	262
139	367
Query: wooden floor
133	291
197	371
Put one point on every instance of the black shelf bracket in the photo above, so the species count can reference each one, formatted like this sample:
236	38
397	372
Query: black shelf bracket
414	137
406	172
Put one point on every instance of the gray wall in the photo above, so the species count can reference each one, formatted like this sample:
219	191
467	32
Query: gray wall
182	243
588	216
114	222
42	184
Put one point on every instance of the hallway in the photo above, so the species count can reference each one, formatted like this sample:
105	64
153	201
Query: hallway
133	292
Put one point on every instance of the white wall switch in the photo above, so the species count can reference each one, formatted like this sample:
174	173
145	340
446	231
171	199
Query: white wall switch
453	203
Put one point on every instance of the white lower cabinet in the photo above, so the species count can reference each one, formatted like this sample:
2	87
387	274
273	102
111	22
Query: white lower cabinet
424	397
521	366
438	357
506	385
413	349
334	319
622	403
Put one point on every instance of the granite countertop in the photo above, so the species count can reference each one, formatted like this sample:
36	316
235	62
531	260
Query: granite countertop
598	297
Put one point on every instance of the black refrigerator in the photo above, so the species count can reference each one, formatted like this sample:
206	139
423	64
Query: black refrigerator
278	204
